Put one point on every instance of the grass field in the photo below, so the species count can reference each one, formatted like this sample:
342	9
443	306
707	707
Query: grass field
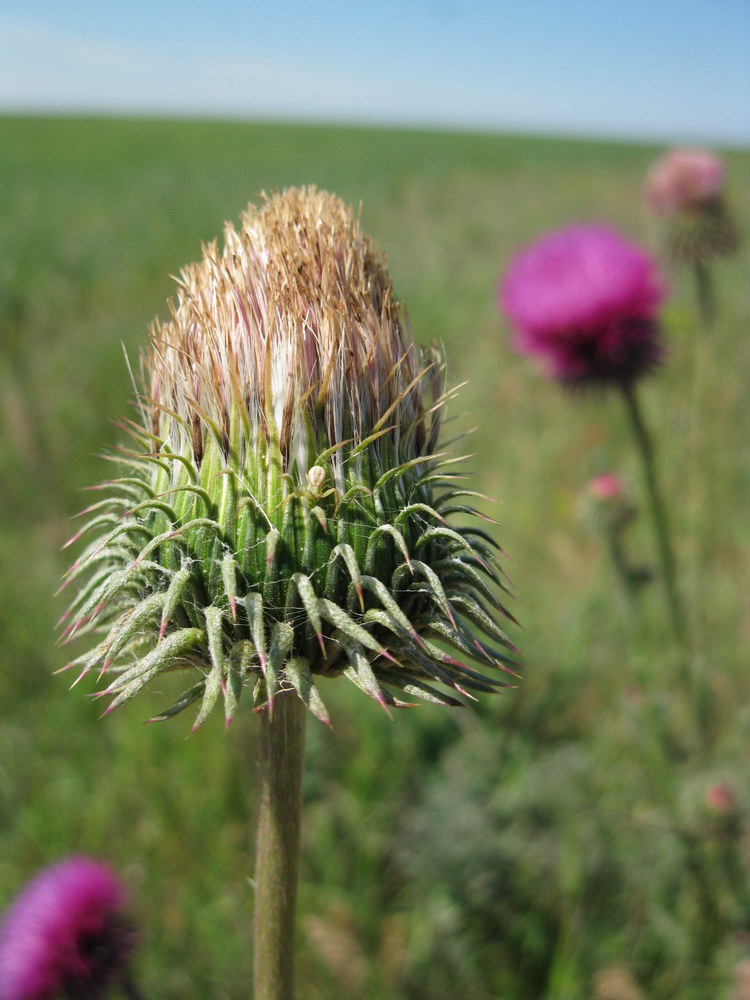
554	844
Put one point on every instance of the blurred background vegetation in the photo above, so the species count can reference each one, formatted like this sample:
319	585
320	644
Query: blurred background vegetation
565	840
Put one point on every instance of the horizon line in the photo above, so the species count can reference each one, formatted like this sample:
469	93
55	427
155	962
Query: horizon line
549	131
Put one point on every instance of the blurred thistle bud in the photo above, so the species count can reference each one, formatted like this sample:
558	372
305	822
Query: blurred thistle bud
608	509
686	187
607	502
66	935
606	487
711	806
720	799
585	301
285	510
683	180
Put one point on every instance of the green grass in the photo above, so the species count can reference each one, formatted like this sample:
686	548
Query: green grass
515	852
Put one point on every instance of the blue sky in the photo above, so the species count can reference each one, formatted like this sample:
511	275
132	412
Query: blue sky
665	69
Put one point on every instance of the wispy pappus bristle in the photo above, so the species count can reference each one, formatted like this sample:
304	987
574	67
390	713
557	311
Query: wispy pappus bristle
297	308
286	512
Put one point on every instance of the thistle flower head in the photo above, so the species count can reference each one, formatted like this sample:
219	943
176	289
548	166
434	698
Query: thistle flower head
606	505
585	300
683	180
292	330
606	487
720	798
65	935
686	187
285	511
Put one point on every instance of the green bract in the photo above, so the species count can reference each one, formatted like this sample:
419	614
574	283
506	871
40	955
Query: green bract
285	511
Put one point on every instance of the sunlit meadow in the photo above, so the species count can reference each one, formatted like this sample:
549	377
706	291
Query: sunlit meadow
578	837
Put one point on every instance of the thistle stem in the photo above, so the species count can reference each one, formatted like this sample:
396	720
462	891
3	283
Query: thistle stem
704	288
658	513
277	849
620	562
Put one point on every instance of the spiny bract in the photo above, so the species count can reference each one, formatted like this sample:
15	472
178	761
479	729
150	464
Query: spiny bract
285	511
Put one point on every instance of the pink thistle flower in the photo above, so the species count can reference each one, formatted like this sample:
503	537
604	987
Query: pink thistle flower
720	798
65	934
585	300
684	180
608	486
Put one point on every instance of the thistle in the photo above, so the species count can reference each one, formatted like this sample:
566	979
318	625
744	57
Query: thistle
585	301
686	188
285	513
67	935
610	511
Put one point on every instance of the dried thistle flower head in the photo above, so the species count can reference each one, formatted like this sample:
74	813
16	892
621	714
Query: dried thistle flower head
285	511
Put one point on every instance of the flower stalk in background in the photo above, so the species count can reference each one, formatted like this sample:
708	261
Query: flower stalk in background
585	300
611	511
685	187
67	935
285	516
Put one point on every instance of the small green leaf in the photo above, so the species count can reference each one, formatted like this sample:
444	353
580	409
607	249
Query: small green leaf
175	592
473	610
229	579
184	701
398	538
383	594
347	554
172	648
297	671
349	628
434	586
282	639
359	670
311	605
128	628
414	508
215	679
254	608
418	689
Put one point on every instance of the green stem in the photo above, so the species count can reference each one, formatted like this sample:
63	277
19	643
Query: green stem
658	513
700	482
704	288
620	562
277	849
129	989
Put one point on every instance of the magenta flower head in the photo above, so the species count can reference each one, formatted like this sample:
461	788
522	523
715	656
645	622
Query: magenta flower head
585	301
684	180
65	935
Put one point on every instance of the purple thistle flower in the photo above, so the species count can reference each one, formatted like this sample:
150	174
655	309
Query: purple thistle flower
65	935
585	300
